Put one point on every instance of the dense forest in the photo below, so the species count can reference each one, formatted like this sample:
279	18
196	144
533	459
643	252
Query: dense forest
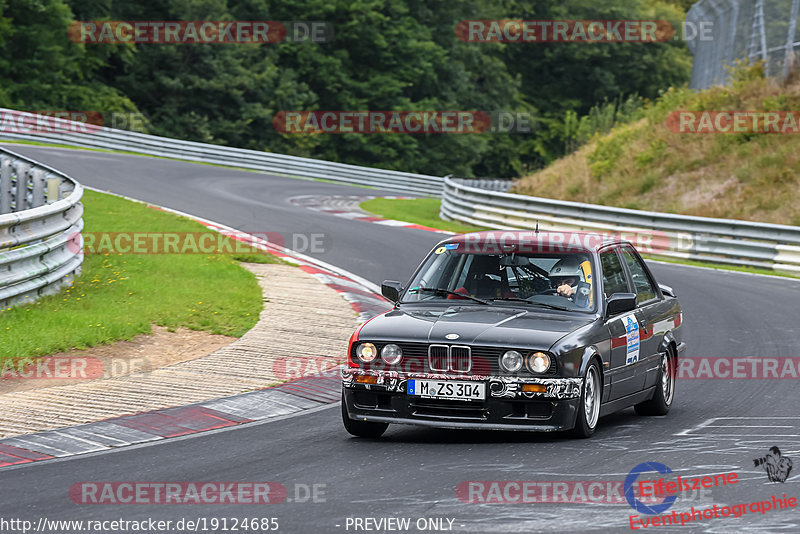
382	55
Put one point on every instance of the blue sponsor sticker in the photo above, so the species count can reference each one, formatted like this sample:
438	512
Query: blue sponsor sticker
631	338
451	246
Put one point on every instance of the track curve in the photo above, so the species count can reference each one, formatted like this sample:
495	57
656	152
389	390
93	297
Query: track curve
415	472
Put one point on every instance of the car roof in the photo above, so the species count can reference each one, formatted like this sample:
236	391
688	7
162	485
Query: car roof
550	241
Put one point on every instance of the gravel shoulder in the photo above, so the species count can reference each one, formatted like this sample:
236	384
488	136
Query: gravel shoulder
303	327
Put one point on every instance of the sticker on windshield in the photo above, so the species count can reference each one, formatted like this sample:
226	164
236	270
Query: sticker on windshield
440	250
632	338
451	246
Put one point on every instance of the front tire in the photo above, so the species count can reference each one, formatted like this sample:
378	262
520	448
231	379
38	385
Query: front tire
362	429
589	407
665	388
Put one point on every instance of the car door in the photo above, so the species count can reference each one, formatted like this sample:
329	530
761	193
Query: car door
648	313
623	335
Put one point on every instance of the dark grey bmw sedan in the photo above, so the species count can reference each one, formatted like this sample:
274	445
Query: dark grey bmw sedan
542	331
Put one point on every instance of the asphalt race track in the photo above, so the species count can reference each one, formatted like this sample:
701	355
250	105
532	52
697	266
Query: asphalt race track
715	426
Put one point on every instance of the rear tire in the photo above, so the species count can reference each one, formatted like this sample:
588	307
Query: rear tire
362	429
665	388
589	407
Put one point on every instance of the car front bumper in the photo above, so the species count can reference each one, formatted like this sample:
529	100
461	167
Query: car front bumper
505	407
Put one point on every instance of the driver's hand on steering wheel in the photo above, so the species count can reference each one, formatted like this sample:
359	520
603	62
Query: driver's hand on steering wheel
566	290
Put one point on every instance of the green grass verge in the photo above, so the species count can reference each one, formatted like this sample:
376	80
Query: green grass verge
258	258
119	296
424	211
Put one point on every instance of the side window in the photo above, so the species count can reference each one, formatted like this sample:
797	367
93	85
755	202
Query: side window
613	276
641	283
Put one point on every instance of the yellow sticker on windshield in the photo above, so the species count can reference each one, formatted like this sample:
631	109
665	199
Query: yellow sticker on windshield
586	267
441	250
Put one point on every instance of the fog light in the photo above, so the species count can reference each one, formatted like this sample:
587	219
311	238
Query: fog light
391	354
511	361
534	388
538	362
366	352
365	379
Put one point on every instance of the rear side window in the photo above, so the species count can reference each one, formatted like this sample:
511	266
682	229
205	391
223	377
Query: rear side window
613	275
641	282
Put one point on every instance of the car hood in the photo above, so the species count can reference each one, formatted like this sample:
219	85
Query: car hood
474	325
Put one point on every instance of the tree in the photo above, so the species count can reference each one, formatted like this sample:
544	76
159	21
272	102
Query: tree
42	70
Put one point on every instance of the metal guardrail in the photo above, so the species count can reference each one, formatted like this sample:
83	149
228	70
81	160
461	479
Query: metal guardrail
729	241
82	135
40	224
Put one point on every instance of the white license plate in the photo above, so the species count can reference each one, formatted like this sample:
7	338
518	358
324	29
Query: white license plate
447	389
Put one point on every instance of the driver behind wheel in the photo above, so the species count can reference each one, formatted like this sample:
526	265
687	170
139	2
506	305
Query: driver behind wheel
567	276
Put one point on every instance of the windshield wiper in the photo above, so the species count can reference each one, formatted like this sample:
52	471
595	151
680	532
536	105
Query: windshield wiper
542	304
447	292
551	306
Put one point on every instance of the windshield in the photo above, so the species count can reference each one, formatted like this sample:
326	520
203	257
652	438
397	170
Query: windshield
546	280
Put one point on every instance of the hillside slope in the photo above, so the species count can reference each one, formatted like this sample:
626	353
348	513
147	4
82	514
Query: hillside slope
646	165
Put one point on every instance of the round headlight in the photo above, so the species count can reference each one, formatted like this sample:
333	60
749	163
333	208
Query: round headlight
511	361
366	352
391	354
538	362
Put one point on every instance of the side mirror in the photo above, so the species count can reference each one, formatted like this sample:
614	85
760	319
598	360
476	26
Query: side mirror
391	290
621	303
667	290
